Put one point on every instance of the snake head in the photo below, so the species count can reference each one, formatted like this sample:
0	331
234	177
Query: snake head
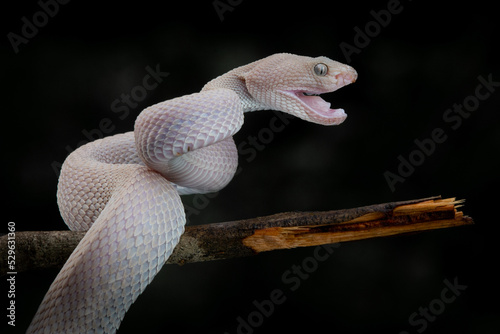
292	84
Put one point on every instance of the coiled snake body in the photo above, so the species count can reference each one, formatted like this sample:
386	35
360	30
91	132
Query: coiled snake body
125	189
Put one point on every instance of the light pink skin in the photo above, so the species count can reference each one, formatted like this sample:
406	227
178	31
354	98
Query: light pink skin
279	82
124	189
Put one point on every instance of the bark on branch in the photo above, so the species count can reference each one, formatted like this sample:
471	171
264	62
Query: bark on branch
36	250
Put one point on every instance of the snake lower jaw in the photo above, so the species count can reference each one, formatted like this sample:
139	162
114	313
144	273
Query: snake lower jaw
335	117
331	117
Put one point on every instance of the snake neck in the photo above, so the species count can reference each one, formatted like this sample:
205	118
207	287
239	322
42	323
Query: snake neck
235	81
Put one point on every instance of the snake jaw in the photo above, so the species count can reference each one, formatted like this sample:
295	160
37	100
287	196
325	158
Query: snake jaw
309	105
291	83
315	109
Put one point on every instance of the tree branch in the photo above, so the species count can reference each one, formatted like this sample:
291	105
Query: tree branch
36	250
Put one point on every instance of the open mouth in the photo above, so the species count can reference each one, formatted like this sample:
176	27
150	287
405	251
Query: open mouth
317	108
314	102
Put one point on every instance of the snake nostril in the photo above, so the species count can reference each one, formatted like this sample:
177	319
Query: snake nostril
346	78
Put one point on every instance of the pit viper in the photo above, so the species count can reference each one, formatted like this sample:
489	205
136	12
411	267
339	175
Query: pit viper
124	190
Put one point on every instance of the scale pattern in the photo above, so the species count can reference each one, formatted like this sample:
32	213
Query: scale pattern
188	139
118	257
124	189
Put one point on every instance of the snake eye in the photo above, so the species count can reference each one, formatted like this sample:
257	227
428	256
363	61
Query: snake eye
320	69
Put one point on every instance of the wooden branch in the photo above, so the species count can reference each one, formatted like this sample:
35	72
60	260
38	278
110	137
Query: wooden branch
35	250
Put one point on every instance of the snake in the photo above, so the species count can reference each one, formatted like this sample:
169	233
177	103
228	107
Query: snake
124	190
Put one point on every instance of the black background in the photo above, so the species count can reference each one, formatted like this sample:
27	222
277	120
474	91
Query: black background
429	57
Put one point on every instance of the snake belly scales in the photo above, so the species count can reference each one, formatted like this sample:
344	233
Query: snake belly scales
124	190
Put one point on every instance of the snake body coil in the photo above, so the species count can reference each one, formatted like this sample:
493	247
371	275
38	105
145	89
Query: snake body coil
124	189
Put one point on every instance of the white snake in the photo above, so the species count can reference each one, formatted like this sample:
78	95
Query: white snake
125	189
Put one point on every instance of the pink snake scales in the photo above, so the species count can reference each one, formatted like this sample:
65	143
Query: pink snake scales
125	189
